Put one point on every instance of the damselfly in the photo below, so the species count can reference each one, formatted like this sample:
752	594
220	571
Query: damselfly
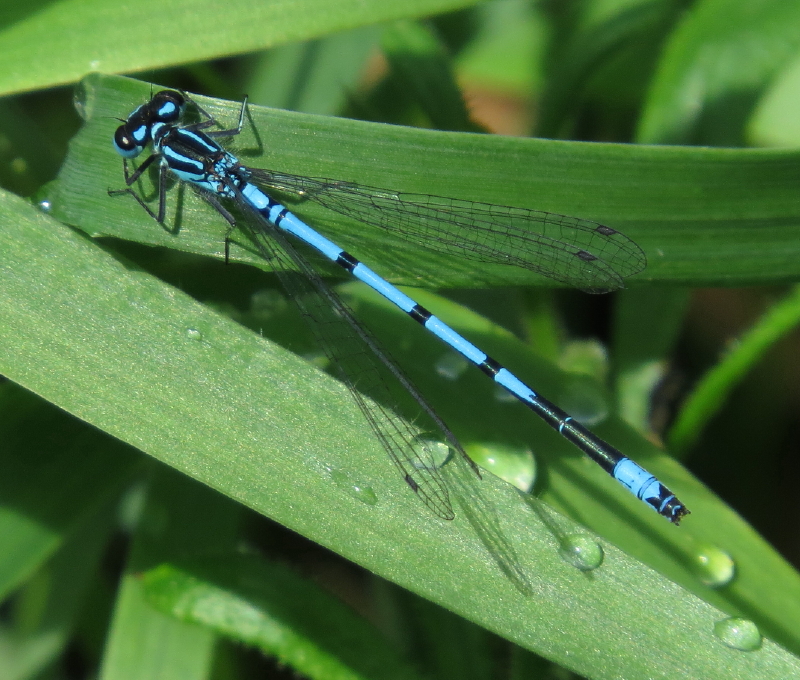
576	252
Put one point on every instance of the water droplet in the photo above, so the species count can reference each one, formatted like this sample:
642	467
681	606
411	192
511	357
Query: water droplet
432	454
45	205
714	567
738	633
585	357
451	365
359	491
515	465
318	359
19	165
80	101
94	64
584	399
193	334
581	551
267	303
132	506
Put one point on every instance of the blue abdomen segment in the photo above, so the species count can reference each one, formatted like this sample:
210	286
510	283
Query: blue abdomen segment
637	480
645	486
633	477
442	331
514	385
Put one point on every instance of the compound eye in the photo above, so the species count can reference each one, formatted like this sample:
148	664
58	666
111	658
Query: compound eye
167	106
124	143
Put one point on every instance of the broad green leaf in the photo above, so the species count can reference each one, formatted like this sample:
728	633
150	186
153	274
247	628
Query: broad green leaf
702	216
66	39
221	404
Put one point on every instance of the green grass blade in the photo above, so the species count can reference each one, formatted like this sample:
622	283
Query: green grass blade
54	473
506	53
702	216
116	37
420	63
180	518
316	76
266	605
221	404
774	121
715	68
144	643
710	393
600	59
646	326
45	612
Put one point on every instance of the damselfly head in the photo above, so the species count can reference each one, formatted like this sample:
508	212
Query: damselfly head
128	142
133	135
